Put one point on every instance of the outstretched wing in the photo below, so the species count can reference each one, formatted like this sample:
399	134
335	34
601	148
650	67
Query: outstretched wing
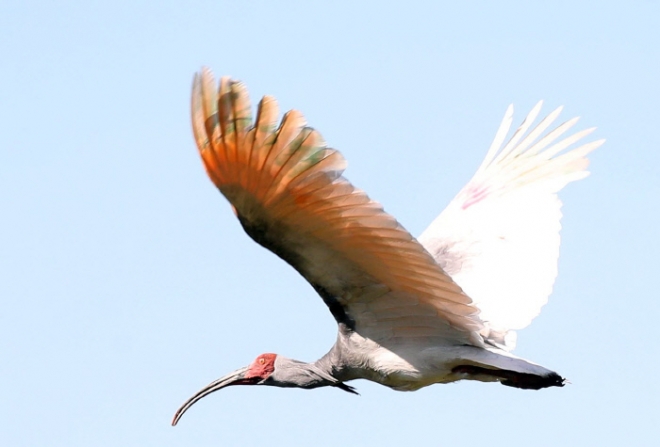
286	188
499	237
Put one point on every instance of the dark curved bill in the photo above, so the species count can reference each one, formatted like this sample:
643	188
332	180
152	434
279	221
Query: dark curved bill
235	378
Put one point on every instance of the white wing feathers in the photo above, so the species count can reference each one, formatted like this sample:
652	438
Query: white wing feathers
499	237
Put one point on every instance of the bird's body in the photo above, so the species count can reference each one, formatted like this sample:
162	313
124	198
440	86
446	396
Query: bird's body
418	362
410	312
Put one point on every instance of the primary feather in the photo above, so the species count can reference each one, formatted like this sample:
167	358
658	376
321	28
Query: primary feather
499	237
288	192
409	314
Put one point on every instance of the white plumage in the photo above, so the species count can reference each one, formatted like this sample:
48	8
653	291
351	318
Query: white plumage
410	312
499	237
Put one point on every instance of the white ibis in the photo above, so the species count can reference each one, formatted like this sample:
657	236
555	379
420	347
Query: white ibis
410	312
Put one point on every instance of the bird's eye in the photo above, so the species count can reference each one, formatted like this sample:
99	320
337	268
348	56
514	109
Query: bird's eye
262	361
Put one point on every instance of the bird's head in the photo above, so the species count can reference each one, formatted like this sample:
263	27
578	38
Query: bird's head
273	370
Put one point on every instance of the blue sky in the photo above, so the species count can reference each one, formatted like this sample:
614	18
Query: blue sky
126	283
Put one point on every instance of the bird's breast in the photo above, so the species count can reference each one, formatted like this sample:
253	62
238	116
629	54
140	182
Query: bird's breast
399	366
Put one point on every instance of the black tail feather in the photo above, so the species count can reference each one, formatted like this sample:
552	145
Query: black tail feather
514	379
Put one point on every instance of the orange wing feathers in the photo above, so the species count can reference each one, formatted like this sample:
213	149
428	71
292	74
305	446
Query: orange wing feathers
288	192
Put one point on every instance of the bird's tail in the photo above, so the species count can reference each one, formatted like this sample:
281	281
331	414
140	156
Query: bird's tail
497	365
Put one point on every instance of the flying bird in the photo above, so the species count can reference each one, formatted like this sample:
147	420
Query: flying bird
410	312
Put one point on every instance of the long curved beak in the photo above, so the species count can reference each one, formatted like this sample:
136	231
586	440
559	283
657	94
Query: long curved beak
235	378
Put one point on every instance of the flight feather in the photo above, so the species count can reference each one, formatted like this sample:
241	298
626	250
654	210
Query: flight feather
287	189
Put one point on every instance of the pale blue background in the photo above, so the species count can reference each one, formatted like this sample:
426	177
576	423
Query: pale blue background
127	284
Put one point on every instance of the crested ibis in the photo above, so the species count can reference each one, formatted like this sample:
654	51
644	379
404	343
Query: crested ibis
410	312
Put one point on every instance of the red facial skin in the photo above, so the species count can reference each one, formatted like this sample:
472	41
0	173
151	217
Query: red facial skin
262	367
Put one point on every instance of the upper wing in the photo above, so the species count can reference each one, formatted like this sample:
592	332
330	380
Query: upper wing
286	188
499	237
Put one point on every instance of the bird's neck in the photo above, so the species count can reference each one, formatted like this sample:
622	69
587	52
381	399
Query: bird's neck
294	373
336	363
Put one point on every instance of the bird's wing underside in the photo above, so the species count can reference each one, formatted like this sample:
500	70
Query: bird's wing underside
288	192
499	237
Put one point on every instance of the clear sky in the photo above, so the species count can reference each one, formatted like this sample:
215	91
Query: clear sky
126	283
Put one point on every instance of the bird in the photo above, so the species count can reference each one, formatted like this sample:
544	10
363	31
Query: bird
410	312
